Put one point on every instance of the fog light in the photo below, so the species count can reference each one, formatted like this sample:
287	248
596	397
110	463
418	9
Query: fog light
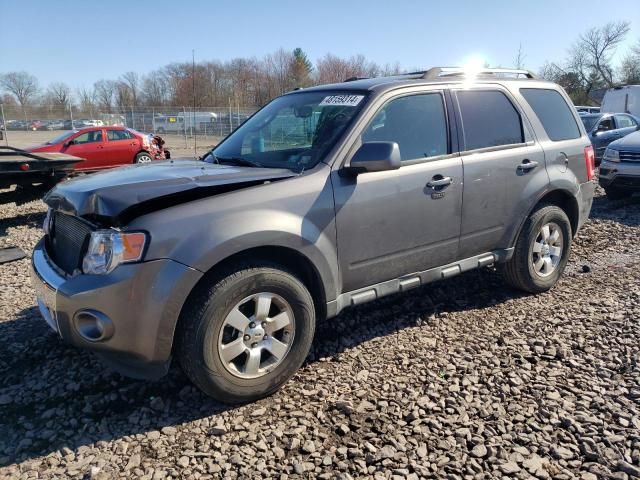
93	326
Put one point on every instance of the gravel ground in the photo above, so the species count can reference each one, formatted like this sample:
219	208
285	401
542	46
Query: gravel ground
461	379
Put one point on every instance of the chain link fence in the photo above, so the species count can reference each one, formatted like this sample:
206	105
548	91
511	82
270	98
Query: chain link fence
203	124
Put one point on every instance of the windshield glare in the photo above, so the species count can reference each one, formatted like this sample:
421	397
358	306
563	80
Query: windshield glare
61	138
293	131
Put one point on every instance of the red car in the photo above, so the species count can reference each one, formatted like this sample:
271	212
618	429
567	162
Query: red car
106	147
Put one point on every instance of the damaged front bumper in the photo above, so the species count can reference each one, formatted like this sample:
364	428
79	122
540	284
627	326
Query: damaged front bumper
127	317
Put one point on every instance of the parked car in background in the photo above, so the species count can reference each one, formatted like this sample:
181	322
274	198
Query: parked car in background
620	167
625	99
104	147
36	125
54	125
586	109
226	264
604	128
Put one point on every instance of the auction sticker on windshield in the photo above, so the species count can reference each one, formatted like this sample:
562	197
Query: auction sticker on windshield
342	100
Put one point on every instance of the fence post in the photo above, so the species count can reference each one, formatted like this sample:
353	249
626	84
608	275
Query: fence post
4	125
153	119
184	125
133	119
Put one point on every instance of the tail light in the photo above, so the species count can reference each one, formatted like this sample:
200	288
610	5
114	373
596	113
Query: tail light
590	162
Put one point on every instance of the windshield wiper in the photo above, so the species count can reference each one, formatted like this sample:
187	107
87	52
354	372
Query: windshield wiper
237	161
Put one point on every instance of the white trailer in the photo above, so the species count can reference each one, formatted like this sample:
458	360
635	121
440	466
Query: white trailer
201	122
622	100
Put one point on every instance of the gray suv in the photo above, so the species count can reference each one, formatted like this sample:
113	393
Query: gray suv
326	198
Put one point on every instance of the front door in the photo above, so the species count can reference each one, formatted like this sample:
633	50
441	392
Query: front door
398	222
90	146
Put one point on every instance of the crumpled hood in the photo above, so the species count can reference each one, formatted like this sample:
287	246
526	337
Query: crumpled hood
629	142
119	195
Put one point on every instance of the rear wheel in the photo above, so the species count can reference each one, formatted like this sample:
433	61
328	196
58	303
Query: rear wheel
616	194
143	157
243	336
541	251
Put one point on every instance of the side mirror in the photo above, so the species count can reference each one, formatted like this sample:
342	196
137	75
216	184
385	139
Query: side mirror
375	157
69	143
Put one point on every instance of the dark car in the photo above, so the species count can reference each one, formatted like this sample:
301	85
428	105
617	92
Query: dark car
620	168
604	128
328	197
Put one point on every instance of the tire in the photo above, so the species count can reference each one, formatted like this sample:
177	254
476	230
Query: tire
533	271
204	332
143	157
616	194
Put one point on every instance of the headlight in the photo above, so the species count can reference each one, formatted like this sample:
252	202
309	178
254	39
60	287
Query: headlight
611	155
109	248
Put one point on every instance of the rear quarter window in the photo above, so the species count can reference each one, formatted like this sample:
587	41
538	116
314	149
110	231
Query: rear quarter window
553	112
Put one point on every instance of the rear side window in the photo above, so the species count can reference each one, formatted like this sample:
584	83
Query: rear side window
489	119
554	113
624	121
118	135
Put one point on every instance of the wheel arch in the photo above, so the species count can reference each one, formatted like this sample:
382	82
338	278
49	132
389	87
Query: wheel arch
561	198
288	258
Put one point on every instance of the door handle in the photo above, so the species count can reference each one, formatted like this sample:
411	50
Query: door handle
439	181
527	165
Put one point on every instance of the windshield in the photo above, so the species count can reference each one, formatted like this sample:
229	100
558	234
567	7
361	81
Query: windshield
62	137
293	131
589	121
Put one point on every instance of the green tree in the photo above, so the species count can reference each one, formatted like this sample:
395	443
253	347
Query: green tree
301	68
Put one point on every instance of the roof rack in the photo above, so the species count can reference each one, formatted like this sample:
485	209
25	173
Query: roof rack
440	72
353	79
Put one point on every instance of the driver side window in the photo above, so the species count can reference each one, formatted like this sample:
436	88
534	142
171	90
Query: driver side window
417	123
606	124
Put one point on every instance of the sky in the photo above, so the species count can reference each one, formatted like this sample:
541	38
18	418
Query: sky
79	42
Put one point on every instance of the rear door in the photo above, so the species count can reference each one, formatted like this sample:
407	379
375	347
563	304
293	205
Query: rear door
121	147
625	124
393	223
90	146
503	167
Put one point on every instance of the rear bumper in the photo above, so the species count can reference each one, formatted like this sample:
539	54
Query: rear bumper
128	317
585	201
620	175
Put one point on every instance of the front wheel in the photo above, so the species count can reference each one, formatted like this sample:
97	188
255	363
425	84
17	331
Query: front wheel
243	336
541	251
143	157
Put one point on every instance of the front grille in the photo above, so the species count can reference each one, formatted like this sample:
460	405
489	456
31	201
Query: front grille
67	241
626	156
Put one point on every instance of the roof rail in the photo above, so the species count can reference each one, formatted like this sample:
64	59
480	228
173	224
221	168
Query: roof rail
353	79
440	72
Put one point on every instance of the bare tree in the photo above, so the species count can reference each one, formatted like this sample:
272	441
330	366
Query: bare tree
104	91
59	93
132	82
86	100
22	85
599	44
